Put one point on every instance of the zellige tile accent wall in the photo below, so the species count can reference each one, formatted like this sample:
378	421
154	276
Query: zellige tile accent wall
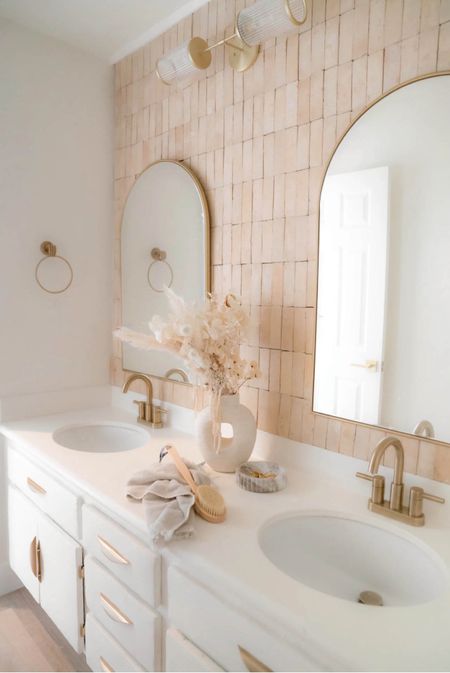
260	141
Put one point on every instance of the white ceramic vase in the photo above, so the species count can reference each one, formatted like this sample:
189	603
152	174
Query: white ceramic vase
234	450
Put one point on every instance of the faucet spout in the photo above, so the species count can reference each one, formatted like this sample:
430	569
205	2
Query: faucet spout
396	501
379	452
412	513
145	408
139	377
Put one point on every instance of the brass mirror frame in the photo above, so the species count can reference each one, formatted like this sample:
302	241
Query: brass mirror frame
207	247
433	440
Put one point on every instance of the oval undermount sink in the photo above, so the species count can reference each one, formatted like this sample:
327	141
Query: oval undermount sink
101	437
344	557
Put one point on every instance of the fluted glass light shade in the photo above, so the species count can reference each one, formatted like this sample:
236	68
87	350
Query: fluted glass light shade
184	61
268	18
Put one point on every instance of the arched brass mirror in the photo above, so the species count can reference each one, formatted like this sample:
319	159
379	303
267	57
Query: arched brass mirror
383	312
164	243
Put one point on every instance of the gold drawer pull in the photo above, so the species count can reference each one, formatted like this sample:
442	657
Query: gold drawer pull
111	552
34	486
35	558
251	663
105	666
113	611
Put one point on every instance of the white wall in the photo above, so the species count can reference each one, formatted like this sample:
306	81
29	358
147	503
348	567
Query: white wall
410	132
56	135
56	127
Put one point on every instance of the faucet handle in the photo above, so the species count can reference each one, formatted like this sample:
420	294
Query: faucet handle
434	498
364	475
141	409
377	486
416	497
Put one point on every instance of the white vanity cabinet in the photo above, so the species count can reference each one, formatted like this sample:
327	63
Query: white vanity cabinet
126	557
105	589
182	655
48	561
224	632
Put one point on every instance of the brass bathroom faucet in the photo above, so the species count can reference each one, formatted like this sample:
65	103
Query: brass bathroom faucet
394	508
148	412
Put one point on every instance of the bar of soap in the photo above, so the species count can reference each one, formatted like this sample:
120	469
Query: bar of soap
261	476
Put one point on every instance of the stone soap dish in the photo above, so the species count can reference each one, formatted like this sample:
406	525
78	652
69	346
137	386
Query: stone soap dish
260	476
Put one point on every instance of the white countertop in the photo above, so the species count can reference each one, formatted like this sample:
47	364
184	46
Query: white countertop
339	634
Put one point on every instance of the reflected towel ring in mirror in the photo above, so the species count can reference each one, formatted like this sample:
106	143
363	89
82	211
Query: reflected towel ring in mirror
173	373
46	275
159	257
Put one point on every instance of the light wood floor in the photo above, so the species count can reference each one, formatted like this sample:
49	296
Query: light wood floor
29	641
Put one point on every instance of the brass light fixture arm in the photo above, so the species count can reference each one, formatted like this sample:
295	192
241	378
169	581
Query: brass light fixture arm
227	42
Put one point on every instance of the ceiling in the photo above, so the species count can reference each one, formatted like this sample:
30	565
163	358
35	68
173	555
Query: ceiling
110	29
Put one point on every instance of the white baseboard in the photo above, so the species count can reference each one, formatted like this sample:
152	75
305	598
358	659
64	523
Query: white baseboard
8	580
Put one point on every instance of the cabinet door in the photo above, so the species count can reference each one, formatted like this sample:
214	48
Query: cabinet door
22	533
61	589
182	655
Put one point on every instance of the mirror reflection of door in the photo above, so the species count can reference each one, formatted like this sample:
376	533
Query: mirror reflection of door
351	295
383	315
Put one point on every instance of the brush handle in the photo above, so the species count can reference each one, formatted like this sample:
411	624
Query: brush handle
181	467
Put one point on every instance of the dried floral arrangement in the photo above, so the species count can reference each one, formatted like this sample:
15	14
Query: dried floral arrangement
207	337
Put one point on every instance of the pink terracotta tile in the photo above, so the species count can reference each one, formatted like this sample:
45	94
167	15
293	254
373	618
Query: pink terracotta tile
304	58
409	58
284	418
376	25
320	430
258	142
331	42
391	66
361	28
375	65
444	47
429	17
317	48
359	84
347	438
346	31
428	47
333	435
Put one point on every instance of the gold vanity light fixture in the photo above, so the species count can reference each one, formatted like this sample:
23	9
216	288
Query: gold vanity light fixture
263	20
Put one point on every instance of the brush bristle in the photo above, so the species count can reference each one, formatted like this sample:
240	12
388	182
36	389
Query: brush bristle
210	502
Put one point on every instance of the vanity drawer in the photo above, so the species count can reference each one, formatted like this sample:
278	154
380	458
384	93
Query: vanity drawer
132	623
182	655
47	493
219	630
124	555
103	653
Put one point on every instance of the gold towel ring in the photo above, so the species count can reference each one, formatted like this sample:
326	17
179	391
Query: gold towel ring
159	256
49	250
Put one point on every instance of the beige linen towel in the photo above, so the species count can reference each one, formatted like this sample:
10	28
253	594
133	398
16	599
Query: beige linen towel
167	498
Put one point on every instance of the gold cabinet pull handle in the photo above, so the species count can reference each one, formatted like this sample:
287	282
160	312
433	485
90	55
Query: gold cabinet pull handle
35	558
105	666
39	561
113	611
251	663
111	552
34	486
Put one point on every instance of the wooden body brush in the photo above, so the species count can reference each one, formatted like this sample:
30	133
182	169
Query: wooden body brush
209	503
